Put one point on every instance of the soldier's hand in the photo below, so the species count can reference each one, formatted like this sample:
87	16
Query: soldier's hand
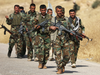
37	27
83	35
71	34
53	27
6	17
27	29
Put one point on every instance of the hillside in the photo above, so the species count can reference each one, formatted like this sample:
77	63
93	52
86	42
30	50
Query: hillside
89	16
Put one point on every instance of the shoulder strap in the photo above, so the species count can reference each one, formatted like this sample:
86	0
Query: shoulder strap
12	15
55	20
71	23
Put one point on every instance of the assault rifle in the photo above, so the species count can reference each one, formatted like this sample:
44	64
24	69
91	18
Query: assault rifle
42	24
84	36
5	29
62	28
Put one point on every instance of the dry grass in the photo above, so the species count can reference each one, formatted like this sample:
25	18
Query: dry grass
89	16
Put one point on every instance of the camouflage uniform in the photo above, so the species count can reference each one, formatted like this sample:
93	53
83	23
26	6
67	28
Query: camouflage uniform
15	20
28	24
42	40
62	45
76	42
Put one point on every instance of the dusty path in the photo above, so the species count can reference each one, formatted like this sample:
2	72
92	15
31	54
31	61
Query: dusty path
14	66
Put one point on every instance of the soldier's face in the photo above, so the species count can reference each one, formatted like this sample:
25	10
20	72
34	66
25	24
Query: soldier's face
43	11
72	14
32	8
16	9
59	12
20	10
50	12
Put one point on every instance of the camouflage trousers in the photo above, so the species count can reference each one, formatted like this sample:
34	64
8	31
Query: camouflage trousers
42	47
75	52
29	46
33	41
13	40
62	49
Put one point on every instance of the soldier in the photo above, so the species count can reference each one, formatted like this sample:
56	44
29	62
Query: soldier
42	40
22	9
49	11
74	22
28	25
14	20
61	45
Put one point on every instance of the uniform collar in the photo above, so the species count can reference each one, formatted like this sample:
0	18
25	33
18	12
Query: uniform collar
32	13
75	18
60	18
17	13
43	16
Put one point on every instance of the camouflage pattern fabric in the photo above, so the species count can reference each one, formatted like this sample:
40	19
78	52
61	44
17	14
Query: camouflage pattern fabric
62	45
28	24
75	52
42	40
63	10
42	47
12	41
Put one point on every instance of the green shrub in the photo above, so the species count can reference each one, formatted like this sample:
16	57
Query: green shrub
96	4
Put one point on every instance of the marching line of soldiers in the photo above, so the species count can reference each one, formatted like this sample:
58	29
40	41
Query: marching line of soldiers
38	27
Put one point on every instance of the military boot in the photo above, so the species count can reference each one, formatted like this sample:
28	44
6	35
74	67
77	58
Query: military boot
36	59
9	53
63	69
30	59
44	67
59	71
19	56
40	66
73	65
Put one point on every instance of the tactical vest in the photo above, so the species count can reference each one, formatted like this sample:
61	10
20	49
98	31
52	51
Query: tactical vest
16	19
40	20
54	34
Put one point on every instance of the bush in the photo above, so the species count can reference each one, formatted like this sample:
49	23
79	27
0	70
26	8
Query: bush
96	4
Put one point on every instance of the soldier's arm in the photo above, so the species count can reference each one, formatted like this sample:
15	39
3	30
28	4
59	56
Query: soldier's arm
34	23
82	27
9	19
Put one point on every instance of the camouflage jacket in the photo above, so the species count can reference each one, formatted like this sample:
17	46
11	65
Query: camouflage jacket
81	26
15	21
30	18
65	23
40	18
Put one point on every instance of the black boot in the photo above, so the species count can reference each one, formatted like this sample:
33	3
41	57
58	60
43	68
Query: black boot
19	56
9	53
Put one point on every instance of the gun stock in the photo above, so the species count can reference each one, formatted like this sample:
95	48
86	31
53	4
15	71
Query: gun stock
5	29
